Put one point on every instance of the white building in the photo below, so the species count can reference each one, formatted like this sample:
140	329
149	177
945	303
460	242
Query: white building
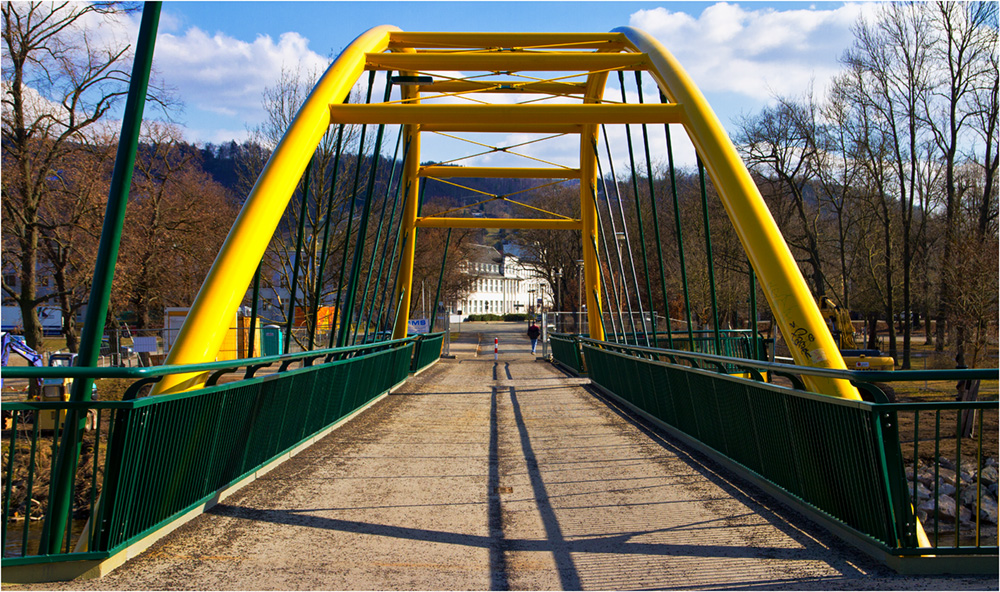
502	285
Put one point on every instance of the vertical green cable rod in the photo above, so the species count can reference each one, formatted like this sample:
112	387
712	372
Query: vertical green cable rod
753	311
326	233
614	231
437	293
395	239
656	229
350	220
388	233
375	246
711	258
61	489
611	288
607	298
359	245
677	221
607	252
298	255
255	296
638	213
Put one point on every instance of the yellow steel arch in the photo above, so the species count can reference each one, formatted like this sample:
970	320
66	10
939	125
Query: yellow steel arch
200	339
596	54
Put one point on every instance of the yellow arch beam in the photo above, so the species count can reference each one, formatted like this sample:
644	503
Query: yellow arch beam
786	291
784	287
226	284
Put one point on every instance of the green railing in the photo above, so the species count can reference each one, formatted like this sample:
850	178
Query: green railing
842	458
735	343
426	350
566	351
150	460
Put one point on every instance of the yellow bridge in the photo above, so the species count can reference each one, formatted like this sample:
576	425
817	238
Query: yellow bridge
195	439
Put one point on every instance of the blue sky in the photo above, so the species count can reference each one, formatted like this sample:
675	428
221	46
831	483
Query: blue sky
219	56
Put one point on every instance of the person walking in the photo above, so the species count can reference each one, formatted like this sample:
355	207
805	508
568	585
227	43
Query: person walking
533	333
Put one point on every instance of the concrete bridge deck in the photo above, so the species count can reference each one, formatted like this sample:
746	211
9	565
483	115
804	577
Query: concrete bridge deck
509	475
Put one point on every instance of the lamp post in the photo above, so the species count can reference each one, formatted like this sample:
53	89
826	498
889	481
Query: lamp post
531	301
579	302
558	302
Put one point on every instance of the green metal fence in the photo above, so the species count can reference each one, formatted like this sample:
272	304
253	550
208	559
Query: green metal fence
426	350
150	460
566	351
842	458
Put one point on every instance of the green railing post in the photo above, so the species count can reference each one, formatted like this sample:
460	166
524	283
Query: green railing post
61	490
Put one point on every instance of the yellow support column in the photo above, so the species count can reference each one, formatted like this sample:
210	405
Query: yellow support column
588	211
408	226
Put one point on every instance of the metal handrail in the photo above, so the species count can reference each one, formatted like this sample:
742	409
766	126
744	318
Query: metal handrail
865	376
157	371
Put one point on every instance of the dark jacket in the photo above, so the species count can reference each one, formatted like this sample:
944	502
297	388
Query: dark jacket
534	331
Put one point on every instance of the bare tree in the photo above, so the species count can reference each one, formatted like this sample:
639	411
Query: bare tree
779	144
58	81
175	225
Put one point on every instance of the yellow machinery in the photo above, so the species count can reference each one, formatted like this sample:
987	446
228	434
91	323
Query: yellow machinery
59	389
839	321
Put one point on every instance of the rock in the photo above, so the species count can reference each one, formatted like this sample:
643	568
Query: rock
968	497
945	463
989	475
947	475
946	489
990	462
944	510
993	489
922	491
988	510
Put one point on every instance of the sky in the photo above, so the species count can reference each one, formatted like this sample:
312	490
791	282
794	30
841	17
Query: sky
220	56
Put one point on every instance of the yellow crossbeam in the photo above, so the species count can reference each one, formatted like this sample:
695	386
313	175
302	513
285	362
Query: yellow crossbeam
420	40
507	61
504	86
444	172
510	115
501	128
508	223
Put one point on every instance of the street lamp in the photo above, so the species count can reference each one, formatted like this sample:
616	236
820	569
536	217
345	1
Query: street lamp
558	302
579	302
531	301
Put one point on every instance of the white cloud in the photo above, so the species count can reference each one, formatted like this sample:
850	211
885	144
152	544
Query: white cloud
223	75
755	52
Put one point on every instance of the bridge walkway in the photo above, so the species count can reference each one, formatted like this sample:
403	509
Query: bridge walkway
507	475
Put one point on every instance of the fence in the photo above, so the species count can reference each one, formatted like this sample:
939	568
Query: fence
148	461
426	349
843	459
